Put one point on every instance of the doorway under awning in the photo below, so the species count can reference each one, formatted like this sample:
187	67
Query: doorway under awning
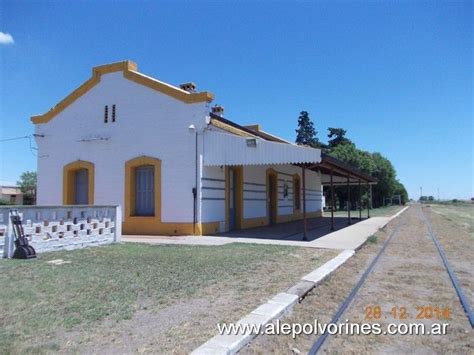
223	149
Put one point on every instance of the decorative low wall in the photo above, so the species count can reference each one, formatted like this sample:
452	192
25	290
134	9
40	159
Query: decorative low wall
51	228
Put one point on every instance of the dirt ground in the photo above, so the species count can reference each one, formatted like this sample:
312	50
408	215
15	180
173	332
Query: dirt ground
188	322
454	228
409	274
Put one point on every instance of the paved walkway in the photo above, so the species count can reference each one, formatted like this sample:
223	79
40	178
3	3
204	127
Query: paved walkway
317	227
349	238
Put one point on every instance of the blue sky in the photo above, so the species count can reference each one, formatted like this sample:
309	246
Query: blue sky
396	75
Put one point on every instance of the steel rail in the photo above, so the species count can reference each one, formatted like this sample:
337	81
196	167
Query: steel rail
454	280
342	308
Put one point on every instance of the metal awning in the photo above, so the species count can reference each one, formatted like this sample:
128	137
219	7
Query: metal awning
228	149
342	172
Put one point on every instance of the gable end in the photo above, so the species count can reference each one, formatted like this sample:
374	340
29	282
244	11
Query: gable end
130	72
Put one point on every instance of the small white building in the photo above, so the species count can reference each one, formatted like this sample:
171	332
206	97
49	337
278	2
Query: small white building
175	164
11	194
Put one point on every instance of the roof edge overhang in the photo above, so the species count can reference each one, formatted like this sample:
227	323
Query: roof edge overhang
339	168
225	149
248	130
130	72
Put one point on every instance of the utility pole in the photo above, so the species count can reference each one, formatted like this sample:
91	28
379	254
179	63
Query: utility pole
438	193
421	192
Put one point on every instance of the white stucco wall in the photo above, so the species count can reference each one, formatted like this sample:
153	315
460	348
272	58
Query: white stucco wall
213	194
255	180
148	123
254	194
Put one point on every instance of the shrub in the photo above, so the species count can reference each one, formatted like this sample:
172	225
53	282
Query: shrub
372	239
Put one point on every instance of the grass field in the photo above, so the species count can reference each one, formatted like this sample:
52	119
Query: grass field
41	303
459	213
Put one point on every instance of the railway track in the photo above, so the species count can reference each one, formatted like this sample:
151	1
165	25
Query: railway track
452	276
348	300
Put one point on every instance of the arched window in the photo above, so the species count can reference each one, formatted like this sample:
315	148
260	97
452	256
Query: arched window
142	188
78	183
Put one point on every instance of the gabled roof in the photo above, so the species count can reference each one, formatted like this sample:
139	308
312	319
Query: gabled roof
130	72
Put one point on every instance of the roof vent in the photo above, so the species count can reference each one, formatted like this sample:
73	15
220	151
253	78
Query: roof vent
189	87
218	110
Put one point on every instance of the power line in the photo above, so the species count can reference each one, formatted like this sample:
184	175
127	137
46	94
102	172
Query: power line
15	138
29	137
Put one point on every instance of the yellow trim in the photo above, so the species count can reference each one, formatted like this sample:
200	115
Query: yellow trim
272	137
152	225
226	198
239	196
230	129
129	70
210	228
177	93
298	215
263	221
272	174
258	128
254	222
254	127
141	224
69	180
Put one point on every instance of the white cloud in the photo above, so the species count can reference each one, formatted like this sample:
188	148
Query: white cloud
6	38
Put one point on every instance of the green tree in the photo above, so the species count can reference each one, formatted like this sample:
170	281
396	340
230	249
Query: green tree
374	164
348	153
27	184
400	190
336	137
306	133
386	176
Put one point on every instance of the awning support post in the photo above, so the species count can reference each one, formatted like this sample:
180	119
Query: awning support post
305	226
332	203
369	197
348	201
360	202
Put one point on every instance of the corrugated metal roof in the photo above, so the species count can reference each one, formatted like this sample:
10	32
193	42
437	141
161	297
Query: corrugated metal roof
228	149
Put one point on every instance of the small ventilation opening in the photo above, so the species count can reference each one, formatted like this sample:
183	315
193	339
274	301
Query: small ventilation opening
106	114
